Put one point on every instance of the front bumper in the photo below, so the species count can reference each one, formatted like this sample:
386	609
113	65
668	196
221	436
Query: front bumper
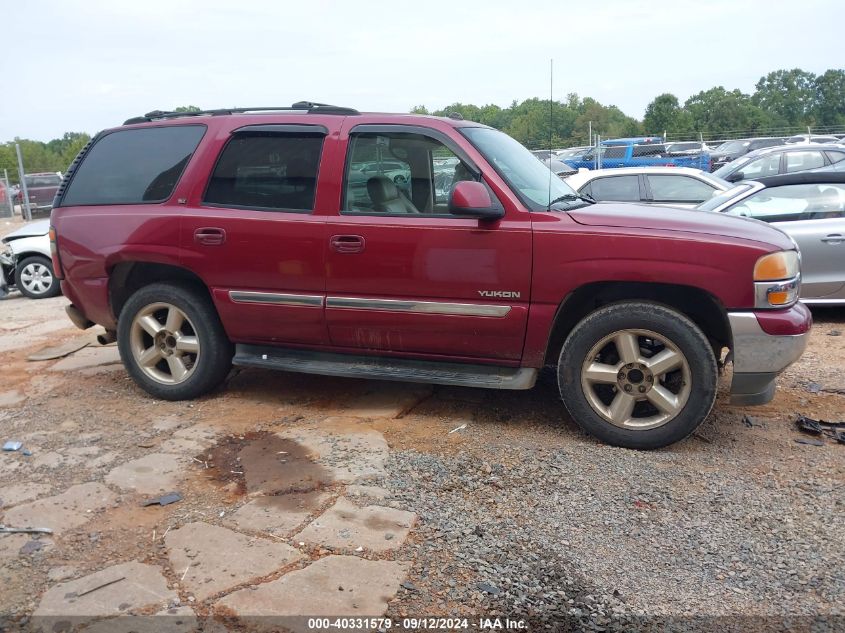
761	351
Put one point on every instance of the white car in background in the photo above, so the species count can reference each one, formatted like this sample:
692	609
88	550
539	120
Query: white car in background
671	186
25	261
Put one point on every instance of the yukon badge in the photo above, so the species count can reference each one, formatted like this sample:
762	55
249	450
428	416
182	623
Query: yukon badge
501	294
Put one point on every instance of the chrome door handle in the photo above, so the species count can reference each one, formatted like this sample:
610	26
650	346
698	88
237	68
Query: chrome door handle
347	243
834	238
209	236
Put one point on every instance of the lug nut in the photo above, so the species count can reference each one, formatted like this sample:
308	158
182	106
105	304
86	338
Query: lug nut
628	388
621	375
642	389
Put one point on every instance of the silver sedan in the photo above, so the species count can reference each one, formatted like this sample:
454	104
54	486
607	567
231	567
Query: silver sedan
810	208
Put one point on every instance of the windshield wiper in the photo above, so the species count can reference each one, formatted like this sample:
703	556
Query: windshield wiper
572	197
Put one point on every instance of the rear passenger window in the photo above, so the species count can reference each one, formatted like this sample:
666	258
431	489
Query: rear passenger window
133	166
619	188
800	161
267	171
649	149
678	189
835	157
614	151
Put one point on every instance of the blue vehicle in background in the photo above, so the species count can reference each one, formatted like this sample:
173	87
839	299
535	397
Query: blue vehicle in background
640	151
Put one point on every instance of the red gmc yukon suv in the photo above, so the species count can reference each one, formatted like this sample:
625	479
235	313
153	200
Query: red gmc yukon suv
318	239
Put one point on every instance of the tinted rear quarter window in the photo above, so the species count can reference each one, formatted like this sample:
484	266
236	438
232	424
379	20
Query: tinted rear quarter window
133	166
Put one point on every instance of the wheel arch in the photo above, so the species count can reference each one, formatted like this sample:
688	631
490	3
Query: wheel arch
126	278
701	307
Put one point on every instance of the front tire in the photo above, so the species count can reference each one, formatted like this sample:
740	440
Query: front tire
638	375
35	278
172	343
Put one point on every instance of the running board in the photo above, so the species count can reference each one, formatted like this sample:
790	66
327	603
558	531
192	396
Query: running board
382	368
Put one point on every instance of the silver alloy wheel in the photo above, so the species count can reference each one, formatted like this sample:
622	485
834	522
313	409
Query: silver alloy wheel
630	367
164	343
36	278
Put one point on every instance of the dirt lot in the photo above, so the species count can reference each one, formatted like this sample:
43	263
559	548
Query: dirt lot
312	495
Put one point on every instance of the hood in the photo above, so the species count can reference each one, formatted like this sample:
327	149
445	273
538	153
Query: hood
33	229
660	218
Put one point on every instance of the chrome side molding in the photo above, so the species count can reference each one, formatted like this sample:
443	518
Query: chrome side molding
426	307
248	296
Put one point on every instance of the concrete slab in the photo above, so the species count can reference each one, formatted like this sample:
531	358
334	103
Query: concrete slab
344	586
181	446
157	472
202	432
52	460
166	424
280	515
88	357
386	399
17	545
348	449
373	492
19	493
218	559
345	525
70	509
178	620
63	349
112	591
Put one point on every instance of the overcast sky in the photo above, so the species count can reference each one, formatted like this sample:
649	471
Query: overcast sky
75	65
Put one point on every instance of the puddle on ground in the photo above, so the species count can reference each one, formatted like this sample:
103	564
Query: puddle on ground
264	463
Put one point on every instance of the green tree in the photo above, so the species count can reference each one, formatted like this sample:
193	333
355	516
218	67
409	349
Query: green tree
789	95
829	107
718	112
665	114
189	108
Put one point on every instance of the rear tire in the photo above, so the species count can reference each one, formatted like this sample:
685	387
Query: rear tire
638	375
35	278
172	343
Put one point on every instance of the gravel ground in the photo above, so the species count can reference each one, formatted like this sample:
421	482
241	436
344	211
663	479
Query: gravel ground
736	527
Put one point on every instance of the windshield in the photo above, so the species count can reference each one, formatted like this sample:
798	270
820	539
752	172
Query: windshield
722	198
731	147
526	175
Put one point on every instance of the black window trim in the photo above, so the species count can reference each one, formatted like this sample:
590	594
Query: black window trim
282	129
86	151
400	128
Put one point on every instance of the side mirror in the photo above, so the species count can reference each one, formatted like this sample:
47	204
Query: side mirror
470	198
736	176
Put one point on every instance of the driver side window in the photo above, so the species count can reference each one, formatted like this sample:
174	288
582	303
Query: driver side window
400	173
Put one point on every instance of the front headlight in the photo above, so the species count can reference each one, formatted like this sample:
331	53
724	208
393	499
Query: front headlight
777	279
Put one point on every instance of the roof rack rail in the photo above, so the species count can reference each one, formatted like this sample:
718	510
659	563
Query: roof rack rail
308	106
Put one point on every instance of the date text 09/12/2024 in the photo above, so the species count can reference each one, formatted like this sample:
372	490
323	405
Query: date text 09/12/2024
422	623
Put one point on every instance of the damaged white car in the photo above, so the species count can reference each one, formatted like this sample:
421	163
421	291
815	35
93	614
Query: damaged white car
25	262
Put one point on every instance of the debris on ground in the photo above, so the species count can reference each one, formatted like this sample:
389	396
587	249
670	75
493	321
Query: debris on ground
813	387
834	333
25	530
164	500
460	428
750	422
12	445
809	442
60	351
100	586
821	428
